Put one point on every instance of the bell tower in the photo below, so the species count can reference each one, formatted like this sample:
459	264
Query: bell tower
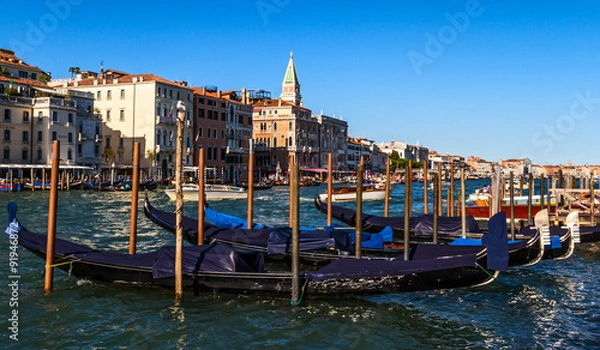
290	88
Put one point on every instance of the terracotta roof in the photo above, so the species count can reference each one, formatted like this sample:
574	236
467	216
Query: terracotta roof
8	57
23	81
127	79
275	103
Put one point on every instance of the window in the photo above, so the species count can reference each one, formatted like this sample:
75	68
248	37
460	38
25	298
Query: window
109	95
25	136
210	115
79	148
25	117
40	136
158	134
6	153
201	113
25	153
70	138
178	95
23	74
121	142
55	116
107	145
171	93
201	101
108	114
200	132
39	154
70	119
275	126
215	153
33	76
223	153
54	136
223	134
208	153
70	154
122	115
214	133
99	95
158	110
122	94
208	133
7	115
274	142
7	136
159	90
223	117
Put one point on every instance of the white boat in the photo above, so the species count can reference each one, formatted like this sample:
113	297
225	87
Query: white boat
348	193
212	192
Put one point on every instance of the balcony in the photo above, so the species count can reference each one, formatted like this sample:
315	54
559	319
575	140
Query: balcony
235	150
165	120
163	148
98	138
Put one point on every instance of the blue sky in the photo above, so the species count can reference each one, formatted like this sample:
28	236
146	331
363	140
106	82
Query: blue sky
494	79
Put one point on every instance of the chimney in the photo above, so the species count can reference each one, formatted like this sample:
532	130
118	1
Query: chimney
244	97
279	102
219	93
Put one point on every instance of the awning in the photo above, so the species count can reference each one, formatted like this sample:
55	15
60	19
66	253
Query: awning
48	91
314	170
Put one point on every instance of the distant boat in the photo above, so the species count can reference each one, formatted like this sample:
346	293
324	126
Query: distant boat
348	193
212	192
7	187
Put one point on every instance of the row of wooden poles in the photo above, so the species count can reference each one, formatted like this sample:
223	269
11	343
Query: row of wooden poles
294	208
294	211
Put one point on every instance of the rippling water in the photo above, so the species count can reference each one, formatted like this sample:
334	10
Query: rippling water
553	304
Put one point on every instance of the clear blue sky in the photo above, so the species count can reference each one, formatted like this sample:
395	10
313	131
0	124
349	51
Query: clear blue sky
495	79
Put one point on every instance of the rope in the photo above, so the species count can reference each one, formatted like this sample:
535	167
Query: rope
59	264
486	271
301	296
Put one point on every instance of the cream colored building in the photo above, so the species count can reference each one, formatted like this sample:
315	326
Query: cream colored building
138	107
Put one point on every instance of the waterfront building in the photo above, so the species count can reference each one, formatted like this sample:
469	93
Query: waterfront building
138	107
333	136
416	153
223	123
358	147
34	115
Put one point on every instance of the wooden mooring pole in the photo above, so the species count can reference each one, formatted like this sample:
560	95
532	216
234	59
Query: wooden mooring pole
52	208
386	203
250	184
134	198
329	188
425	189
179	203
359	208
296	235
201	202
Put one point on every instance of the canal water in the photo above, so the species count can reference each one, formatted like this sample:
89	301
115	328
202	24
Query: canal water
554	304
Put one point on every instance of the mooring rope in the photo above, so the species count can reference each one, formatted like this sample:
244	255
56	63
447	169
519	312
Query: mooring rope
484	270
301	295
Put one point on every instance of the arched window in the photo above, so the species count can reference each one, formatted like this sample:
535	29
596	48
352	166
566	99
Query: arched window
274	142
275	126
158	134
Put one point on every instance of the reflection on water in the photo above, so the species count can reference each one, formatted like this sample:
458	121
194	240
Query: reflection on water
552	304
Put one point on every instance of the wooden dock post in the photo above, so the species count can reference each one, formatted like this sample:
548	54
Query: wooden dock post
134	198
179	203
439	190
436	205
296	235
201	198
250	184
592	202
329	188
386	203
52	208
530	191
425	189
359	207
291	176
511	188
463	204
451	191
32	179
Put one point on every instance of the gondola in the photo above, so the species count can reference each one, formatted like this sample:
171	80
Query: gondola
315	245
527	249
221	267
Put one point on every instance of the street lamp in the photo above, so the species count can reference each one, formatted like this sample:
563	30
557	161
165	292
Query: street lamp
112	173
